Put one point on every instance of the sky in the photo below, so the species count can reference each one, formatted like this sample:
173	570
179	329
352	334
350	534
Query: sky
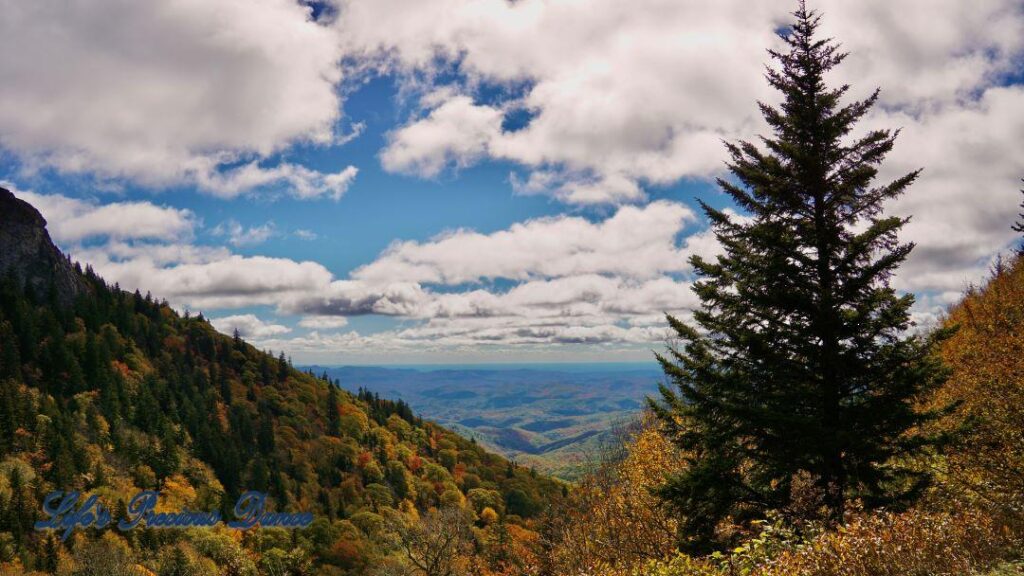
461	181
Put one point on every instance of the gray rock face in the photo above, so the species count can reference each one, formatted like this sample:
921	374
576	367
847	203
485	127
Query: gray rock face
28	255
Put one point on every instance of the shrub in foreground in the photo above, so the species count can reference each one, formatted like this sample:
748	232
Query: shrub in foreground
880	544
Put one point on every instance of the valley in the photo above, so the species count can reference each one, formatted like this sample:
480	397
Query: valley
551	417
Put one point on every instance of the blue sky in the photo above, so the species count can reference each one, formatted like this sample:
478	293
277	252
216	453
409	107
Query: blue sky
455	181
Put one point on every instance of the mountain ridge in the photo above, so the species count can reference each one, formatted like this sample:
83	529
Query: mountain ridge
29	256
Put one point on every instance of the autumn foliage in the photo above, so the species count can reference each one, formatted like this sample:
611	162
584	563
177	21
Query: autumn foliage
969	522
987	358
118	393
613	521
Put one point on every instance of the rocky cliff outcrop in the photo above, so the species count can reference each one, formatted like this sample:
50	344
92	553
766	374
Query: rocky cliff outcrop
28	255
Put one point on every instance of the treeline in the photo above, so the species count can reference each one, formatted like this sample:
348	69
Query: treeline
382	408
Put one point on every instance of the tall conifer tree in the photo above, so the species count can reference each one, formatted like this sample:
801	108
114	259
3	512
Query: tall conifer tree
799	369
1018	226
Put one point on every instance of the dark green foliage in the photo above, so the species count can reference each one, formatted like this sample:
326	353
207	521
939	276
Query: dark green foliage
799	380
1018	226
381	408
333	416
519	503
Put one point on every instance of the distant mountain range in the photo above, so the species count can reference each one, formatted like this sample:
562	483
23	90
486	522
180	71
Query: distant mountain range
548	416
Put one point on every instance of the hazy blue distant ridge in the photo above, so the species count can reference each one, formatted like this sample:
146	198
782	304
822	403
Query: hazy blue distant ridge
545	415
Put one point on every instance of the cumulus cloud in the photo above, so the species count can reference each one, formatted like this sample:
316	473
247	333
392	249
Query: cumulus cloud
74	220
574	282
646	90
157	253
635	242
962	207
323	322
204	278
238	235
579	188
599	342
248	326
623	95
456	132
567	298
926	52
618	92
302	183
355	298
171	92
567	280
589	102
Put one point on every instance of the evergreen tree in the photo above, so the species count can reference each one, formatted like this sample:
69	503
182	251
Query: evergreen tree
265	436
799	373
282	367
176	564
167	460
10	360
1018	226
51	554
333	416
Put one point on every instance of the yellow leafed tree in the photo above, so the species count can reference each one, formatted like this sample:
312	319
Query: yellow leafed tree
987	358
614	522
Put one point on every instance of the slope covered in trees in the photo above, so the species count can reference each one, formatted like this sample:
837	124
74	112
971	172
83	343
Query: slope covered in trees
986	356
115	393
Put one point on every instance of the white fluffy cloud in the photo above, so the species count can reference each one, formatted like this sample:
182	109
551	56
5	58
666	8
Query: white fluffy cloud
143	246
568	280
169	92
238	235
72	220
214	281
619	91
635	242
647	89
302	183
323	322
573	282
962	207
248	326
620	95
456	132
590	101
925	52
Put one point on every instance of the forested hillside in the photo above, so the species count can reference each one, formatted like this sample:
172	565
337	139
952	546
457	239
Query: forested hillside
113	392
